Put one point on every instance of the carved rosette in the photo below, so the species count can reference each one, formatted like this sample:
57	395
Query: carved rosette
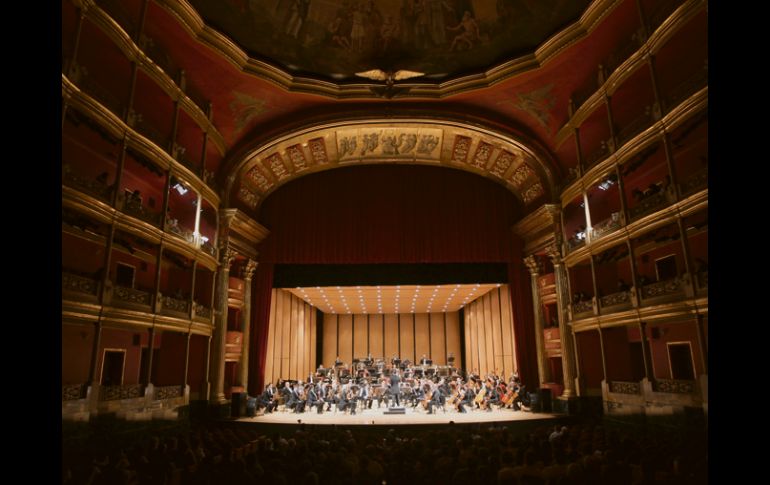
461	148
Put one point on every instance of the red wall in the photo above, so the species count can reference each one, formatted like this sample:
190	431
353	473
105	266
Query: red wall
646	265
143	278
80	254
590	358
197	371
617	354
674	332
77	345
171	358
122	339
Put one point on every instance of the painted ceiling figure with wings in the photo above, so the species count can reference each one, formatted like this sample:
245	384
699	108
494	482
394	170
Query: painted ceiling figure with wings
390	78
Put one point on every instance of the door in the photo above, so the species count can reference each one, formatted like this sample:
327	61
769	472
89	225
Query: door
113	365
680	360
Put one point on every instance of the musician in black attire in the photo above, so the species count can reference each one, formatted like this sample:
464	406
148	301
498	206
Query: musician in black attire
314	399
395	390
266	399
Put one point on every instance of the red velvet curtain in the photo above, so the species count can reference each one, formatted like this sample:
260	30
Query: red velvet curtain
389	214
260	314
523	324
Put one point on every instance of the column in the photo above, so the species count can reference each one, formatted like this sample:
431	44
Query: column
567	339
220	326
243	368
533	265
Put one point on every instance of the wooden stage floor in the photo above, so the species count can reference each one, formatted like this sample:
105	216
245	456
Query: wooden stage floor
412	417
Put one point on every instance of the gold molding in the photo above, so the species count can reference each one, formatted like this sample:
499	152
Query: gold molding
87	105
193	23
134	53
244	225
500	157
654	42
684	311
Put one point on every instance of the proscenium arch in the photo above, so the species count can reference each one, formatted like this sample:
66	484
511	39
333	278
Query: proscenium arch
508	160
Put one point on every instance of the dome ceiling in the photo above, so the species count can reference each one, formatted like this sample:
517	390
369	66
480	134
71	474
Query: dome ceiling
441	39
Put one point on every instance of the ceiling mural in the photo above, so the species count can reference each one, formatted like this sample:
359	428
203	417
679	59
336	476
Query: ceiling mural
503	160
335	39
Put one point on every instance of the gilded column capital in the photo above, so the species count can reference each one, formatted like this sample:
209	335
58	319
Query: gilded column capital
553	252
226	257
532	262
249	268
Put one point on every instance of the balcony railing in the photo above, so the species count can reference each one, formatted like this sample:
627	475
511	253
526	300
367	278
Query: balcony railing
686	88
73	392
202	311
599	154
695	183
581	96
621	387
149	131
607	225
168	392
586	306
79	284
674	386
159	56
636	126
114	393
209	248
104	96
614	299
130	295
172	226
575	243
175	305
663	288
100	190
136	209
649	204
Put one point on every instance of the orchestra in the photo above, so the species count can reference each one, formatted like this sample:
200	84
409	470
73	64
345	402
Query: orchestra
424	387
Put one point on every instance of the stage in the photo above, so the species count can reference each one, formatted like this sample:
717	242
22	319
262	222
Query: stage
411	417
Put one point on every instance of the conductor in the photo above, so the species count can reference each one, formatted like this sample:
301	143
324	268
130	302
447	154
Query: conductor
395	390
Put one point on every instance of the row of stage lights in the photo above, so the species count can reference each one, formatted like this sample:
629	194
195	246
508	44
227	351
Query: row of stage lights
412	309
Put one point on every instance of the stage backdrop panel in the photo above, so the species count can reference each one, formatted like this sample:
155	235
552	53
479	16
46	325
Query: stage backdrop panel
291	338
489	336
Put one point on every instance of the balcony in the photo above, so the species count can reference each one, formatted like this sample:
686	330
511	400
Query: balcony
672	386
115	393
597	155
673	286
583	308
202	312
234	344
174	305
130	295
615	301
172	226
651	203
79	284
574	243
606	226
93	187
134	207
168	392
619	55
621	387
209	248
686	88
695	183
158	55
73	392
104	96
151	132
636	126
